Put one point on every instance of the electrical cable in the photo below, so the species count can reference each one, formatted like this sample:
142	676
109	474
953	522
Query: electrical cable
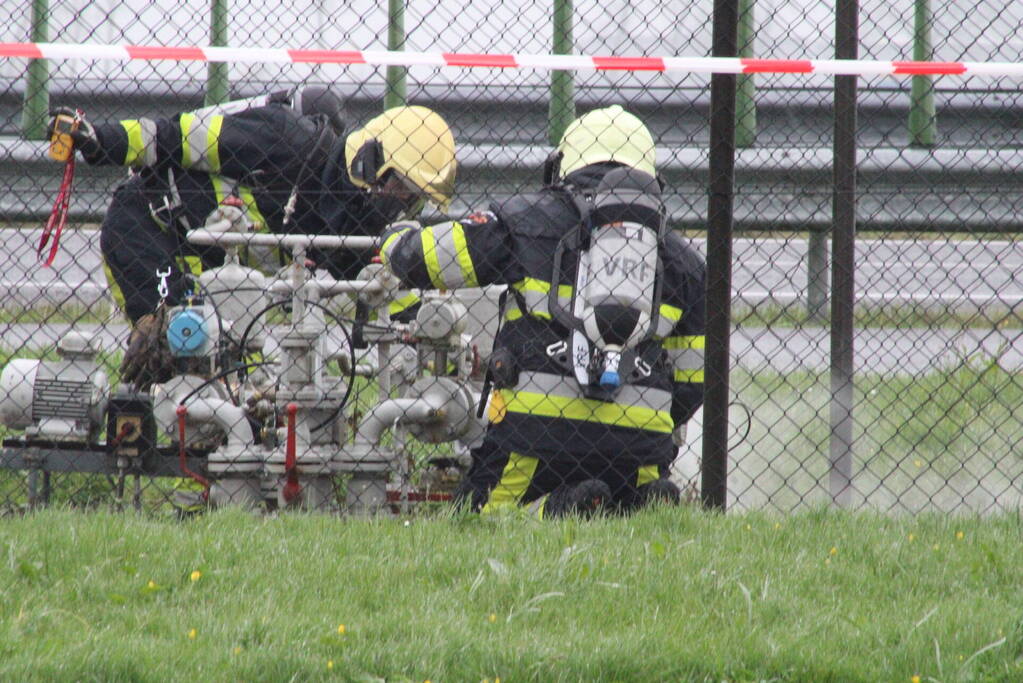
351	351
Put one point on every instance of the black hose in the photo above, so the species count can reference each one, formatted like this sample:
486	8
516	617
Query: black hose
351	351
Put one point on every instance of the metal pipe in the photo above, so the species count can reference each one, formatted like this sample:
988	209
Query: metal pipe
714	480
36	104
840	451
331	287
182	413
292	490
218	83
395	92
562	103
215	237
923	121
228	416
386	413
745	96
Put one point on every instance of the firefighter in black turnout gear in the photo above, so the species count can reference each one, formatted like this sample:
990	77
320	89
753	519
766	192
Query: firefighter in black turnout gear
592	374
285	157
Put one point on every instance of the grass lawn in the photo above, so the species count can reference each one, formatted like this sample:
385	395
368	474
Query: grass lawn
670	594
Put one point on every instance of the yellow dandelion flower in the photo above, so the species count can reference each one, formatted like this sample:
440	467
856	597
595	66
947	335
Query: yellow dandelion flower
749	527
777	525
195	576
192	633
340	629
151	585
833	551
911	538
237	650
492	618
330	664
937	546
918	462
959	535
914	679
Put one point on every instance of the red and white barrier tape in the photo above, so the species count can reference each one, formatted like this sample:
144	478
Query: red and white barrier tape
254	55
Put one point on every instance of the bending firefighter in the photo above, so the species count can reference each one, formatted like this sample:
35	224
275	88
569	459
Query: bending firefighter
286	158
599	359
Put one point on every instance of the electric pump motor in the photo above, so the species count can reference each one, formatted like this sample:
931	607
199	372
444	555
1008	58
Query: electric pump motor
62	400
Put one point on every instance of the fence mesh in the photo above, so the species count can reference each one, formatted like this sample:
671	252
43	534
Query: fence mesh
937	360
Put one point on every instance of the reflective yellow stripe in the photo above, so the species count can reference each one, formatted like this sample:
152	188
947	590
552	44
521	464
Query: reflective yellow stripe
251	208
673	313
385	250
516	313
219	188
136	147
647	474
192	264
588	410
402	303
115	289
693	376
462	254
186	121
532	284
518	472
430	257
212	145
688	342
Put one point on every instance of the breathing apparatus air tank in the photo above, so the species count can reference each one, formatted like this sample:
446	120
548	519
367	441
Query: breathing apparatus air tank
618	283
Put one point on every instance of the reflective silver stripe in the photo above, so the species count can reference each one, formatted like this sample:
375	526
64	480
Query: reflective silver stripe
685	359
148	130
668	318
450	258
566	387
535	294
201	138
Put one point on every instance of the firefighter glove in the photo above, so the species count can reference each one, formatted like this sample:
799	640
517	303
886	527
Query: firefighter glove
148	359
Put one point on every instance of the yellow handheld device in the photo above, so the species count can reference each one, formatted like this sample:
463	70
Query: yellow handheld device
62	146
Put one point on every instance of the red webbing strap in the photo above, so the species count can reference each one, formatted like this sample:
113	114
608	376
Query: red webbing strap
58	214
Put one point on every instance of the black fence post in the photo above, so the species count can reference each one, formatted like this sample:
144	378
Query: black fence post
843	262
714	482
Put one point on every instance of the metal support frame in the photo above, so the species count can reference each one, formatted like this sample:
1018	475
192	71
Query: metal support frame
218	79
35	112
561	110
395	94
714	482
842	268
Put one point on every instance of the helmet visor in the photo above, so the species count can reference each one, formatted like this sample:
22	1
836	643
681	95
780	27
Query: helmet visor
404	192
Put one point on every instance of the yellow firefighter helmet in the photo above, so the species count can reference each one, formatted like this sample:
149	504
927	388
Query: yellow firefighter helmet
609	134
415	143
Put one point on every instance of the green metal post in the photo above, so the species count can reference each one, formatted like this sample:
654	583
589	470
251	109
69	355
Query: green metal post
922	116
745	94
395	96
218	80
36	106
562	104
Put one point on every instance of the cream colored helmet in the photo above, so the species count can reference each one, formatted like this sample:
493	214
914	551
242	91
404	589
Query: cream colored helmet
609	134
414	142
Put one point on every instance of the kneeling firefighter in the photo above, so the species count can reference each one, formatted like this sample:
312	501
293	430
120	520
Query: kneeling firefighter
599	358
286	158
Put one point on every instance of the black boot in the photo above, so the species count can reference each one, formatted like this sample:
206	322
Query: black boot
663	491
583	499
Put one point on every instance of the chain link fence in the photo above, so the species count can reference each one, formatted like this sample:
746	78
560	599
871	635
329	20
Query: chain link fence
937	360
